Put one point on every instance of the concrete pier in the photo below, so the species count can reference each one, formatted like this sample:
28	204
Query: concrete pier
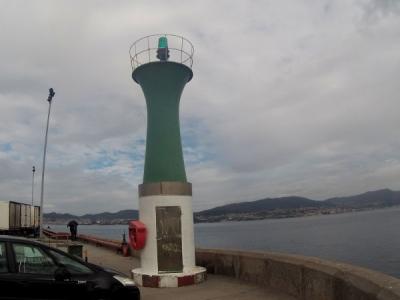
217	287
305	278
258	275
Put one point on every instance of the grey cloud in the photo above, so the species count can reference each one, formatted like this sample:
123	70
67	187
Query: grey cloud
376	9
287	98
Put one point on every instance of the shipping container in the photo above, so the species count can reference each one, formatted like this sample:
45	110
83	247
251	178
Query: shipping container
15	215
4	215
37	216
32	223
18	218
25	215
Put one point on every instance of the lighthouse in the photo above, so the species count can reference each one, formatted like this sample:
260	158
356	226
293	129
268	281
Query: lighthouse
162	66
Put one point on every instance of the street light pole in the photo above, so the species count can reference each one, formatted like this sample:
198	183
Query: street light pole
49	99
33	180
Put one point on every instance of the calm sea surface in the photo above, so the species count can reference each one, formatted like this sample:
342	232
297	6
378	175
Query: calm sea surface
370	239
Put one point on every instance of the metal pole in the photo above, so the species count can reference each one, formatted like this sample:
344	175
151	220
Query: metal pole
33	181
51	95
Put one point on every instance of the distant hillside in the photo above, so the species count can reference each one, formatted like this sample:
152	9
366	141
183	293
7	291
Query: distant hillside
283	207
120	217
380	198
263	205
297	206
54	215
122	214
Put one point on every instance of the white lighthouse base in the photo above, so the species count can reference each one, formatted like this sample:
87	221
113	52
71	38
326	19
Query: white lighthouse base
148	274
194	276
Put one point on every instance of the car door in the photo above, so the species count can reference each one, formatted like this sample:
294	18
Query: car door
80	281
35	270
9	287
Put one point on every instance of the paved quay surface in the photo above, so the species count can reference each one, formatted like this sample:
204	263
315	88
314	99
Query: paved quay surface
215	288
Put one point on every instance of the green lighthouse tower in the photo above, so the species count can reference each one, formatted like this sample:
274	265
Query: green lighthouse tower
161	65
162	83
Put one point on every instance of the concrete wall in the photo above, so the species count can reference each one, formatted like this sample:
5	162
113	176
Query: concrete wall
305	278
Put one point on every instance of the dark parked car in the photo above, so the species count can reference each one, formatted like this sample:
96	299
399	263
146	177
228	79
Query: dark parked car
32	270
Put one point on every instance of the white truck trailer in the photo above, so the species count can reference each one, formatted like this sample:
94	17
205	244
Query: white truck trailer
19	218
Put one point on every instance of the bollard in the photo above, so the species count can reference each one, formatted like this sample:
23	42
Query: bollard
75	249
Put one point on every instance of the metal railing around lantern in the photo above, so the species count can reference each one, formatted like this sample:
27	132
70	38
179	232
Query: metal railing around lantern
145	50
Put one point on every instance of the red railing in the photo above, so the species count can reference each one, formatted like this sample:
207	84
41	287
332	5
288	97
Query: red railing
106	243
56	235
101	242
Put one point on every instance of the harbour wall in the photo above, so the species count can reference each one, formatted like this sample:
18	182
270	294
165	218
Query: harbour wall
303	277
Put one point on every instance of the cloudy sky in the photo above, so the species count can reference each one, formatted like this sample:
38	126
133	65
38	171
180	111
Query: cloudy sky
295	97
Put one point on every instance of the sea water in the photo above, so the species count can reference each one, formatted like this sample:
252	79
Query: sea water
370	238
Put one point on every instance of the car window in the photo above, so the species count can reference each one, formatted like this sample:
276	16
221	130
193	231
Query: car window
73	266
3	258
33	260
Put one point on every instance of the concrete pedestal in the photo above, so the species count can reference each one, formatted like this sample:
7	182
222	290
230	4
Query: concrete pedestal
191	276
150	274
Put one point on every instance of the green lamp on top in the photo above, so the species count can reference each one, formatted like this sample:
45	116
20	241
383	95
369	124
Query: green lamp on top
162	51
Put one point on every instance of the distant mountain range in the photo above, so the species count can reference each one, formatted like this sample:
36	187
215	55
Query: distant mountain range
380	198
282	207
298	206
266	204
120	217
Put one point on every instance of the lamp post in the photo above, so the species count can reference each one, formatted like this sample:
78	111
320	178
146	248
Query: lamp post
33	180
49	99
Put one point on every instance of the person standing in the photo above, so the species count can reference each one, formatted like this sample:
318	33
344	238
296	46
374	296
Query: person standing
73	228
